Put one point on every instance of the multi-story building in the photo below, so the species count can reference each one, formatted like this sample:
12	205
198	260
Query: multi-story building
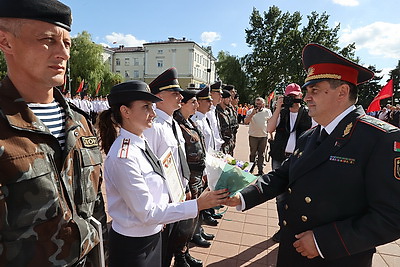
195	64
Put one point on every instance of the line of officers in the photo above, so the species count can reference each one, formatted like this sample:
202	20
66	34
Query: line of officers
197	120
224	108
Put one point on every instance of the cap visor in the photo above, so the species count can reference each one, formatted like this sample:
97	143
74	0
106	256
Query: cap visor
313	82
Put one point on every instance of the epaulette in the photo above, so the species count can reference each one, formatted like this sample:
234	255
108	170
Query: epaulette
308	132
124	149
377	123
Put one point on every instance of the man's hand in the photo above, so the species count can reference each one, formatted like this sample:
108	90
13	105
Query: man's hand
305	245
232	201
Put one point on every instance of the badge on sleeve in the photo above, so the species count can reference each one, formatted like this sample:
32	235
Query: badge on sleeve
397	168
123	151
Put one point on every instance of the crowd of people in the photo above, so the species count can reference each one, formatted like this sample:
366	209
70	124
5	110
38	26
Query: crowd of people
337	184
388	113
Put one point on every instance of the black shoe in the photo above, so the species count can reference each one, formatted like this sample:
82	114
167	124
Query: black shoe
205	235
207	219
277	236
198	240
217	216
180	260
193	262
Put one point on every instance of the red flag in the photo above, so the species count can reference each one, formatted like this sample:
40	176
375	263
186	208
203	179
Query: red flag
80	86
271	96
386	92
98	88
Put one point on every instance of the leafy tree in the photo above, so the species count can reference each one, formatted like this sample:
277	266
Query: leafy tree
277	42
367	91
395	75
230	71
87	63
3	66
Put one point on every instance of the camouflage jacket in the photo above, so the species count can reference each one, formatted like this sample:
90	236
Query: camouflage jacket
46	194
194	144
225	123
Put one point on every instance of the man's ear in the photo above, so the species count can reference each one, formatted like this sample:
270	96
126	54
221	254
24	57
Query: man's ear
5	45
344	90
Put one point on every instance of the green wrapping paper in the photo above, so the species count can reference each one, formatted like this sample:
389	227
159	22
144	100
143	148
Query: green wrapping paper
234	179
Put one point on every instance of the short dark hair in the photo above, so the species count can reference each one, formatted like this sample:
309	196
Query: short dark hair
353	88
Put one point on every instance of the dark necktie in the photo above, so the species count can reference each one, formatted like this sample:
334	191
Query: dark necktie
182	157
322	136
153	160
212	133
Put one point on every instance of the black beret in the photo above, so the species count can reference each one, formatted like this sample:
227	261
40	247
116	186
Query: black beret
204	94
226	94
51	11
323	64
188	94
129	91
166	81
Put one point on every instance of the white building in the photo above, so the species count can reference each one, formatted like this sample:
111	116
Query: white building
193	63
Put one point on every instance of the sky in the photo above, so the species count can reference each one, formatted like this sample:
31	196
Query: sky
373	25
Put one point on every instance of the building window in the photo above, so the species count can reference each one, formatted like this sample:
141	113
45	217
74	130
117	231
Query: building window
135	61
160	51
126	74
117	62
127	61
160	63
136	74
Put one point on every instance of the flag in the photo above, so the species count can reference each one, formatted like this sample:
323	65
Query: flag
270	97
80	86
98	88
385	92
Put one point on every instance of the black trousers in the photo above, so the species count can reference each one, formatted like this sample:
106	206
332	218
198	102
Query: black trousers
134	251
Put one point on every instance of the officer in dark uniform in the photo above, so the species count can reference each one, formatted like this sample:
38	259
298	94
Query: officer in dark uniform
225	123
343	179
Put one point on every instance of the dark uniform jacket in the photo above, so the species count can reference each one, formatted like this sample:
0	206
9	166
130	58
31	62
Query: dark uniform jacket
46	194
346	190
282	132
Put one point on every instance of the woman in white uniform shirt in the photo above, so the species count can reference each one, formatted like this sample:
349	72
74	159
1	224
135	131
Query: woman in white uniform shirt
137	195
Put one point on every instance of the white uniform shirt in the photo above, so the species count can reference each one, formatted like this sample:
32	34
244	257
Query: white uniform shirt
258	123
137	197
201	120
161	137
212	117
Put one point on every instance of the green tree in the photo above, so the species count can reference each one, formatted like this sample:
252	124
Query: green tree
367	91
86	63
277	40
3	66
230	71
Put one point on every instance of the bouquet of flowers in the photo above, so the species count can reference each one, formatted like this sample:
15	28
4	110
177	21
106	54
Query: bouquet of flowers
224	171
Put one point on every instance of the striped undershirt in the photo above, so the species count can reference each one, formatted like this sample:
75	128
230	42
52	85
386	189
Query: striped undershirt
53	116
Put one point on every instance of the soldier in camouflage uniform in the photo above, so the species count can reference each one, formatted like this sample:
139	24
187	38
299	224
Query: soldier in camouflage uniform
226	123
233	114
49	187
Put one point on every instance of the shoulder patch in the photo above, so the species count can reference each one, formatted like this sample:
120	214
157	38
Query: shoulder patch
124	149
377	123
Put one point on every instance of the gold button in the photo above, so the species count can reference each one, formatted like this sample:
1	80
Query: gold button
289	190
284	223
286	206
308	200
304	218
